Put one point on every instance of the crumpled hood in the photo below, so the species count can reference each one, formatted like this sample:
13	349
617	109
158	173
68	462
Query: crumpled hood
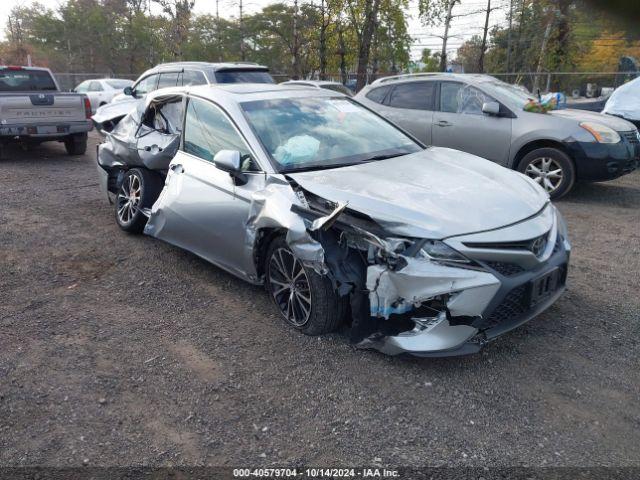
436	193
618	124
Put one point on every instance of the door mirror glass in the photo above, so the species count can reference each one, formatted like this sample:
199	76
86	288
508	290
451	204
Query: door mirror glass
128	91
228	161
491	108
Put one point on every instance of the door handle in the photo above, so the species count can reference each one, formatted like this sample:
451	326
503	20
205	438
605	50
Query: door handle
444	123
177	168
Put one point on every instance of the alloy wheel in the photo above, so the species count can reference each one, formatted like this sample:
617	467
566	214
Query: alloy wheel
546	172
128	198
289	286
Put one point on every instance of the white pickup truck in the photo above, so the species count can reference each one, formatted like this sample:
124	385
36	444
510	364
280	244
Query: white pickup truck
34	110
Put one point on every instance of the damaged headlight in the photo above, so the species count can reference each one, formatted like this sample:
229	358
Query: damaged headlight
440	251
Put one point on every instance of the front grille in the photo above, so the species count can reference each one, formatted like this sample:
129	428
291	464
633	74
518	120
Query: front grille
507	269
513	305
631	137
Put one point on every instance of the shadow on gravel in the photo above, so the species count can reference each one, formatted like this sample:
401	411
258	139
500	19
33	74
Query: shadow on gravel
609	193
35	153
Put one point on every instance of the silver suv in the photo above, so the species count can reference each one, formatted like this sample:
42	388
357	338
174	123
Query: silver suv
482	115
177	74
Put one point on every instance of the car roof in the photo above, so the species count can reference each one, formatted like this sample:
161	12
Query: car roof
316	83
415	77
217	66
245	92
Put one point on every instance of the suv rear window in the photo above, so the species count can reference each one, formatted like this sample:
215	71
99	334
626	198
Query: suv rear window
243	76
413	95
377	94
25	80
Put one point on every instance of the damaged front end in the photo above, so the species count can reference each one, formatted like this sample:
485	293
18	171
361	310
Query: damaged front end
406	295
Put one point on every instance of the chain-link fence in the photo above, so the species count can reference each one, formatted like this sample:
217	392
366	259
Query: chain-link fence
572	84
68	81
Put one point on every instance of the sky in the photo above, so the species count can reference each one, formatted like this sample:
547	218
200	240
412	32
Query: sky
463	27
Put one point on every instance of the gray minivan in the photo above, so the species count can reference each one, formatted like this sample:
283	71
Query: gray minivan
482	115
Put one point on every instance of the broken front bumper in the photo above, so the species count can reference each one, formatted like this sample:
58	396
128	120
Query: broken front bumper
482	304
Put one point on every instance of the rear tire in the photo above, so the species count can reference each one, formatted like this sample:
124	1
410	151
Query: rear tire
76	144
140	188
314	307
551	168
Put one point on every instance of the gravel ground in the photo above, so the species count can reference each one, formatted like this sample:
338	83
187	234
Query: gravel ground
122	350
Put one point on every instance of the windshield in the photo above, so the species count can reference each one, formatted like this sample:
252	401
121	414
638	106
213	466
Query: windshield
243	76
514	94
25	80
312	133
119	83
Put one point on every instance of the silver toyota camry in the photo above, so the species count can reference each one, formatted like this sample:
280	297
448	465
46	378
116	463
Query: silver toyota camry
345	218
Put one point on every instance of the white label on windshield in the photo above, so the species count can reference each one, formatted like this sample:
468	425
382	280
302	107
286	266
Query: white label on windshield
345	106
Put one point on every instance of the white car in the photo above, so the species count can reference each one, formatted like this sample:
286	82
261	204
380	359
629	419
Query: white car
102	90
326	84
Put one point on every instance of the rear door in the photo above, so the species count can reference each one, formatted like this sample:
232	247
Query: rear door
202	208
459	123
410	105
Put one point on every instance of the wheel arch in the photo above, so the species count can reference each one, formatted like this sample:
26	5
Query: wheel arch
536	144
264	237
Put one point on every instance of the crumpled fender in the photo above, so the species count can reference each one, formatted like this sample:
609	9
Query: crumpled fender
271	208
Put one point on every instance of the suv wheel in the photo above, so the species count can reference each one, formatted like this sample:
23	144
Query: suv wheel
551	168
305	299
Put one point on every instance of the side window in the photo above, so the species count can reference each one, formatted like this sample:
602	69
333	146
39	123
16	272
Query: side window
95	87
470	100
377	94
449	96
146	85
207	130
460	98
413	95
168	80
193	77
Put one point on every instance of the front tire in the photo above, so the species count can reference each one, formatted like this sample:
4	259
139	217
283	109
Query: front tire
76	144
306	300
140	188
551	168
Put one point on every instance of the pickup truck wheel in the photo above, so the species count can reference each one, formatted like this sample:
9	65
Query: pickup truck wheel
76	144
551	168
139	190
306	300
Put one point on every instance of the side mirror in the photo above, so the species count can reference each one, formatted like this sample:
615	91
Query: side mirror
230	161
128	91
491	108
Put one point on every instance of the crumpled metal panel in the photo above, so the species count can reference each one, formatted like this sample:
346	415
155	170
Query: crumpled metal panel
397	292
271	208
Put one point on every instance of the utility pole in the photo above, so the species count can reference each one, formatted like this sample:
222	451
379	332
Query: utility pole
445	37
296	42
242	54
543	49
483	47
508	69
323	41
218	36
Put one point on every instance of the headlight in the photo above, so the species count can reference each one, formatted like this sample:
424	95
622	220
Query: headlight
437	250
601	133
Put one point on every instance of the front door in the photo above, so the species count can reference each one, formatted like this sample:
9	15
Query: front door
202	208
459	123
